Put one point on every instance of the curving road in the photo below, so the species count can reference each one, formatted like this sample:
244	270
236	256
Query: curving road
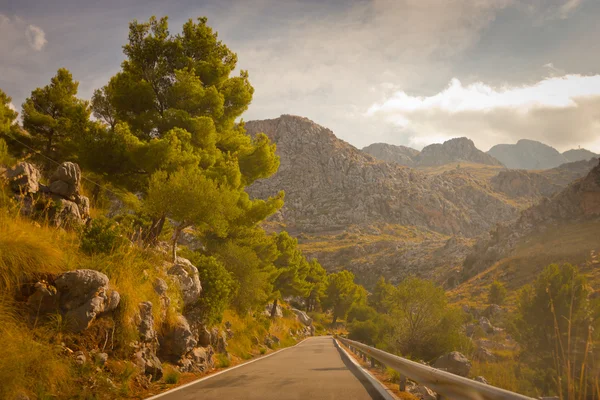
313	370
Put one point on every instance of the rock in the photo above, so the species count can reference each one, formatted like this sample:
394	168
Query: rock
101	358
146	322
219	341
204	337
198	360
492	311
229	334
80	358
65	214
481	379
422	392
24	178
84	295
269	309
302	317
65	180
178	341
83	204
454	362
269	342
486	325
160	286
149	364
483	354
186	275
469	329
44	298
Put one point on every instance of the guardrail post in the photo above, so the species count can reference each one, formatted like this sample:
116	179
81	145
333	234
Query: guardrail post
372	362
402	383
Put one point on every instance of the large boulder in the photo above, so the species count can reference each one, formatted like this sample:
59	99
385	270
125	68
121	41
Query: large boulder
24	178
66	213
269	309
65	180
455	363
145	322
302	317
148	363
178	340
84	295
200	359
186	275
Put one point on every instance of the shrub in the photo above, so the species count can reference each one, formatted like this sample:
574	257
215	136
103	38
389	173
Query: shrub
171	375
223	361
497	293
361	312
363	331
102	235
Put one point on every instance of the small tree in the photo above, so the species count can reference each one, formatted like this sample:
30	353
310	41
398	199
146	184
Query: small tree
190	198
7	114
497	293
55	117
342	293
381	295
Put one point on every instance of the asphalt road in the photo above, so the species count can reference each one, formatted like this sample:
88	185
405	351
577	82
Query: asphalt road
312	370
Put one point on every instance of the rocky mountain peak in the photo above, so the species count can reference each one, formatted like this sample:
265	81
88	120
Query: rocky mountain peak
402	155
454	150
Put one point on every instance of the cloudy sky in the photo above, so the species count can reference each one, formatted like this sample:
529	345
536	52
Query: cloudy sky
408	72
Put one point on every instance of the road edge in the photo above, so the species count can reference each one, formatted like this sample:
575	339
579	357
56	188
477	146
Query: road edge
380	387
156	396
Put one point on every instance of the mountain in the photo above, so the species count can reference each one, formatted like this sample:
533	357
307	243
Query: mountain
528	154
373	217
331	185
391	153
579	155
451	151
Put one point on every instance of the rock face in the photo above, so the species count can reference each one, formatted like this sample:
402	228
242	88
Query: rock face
24	178
455	363
303	317
178	341
388	152
65	180
453	150
528	154
186	275
331	185
84	295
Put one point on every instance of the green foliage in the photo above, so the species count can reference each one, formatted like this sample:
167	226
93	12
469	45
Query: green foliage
223	361
5	158
218	287
424	325
381	295
171	375
316	283
7	115
102	235
361	312
497	293
342	293
363	331
55	117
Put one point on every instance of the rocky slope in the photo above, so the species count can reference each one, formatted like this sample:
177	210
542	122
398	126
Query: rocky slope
331	185
388	152
453	150
579	155
578	203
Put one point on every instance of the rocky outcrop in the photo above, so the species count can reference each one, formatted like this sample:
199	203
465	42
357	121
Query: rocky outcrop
303	317
388	152
24	178
65	180
455	363
579	155
144	356
186	275
177	341
522	183
84	295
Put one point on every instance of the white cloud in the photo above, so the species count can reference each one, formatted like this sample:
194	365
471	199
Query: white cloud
559	110
36	37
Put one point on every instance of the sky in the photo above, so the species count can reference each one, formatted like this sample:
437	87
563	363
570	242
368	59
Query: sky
406	72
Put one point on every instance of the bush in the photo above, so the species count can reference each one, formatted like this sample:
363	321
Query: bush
171	375
361	312
102	235
218	286
5	158
363	331
497	293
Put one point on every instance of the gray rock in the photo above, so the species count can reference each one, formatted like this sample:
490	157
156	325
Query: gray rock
146	322
178	341
481	379
486	325
269	309
148	363
80	358
65	180
455	363
160	286
204	337
24	178
422	392
219	341
66	214
101	358
44	298
186	275
483	354
83	204
302	317
84	295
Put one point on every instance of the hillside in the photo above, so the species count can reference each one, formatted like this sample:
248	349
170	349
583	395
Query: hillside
579	155
578	204
391	153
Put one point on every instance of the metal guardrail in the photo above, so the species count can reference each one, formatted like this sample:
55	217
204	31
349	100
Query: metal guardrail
447	385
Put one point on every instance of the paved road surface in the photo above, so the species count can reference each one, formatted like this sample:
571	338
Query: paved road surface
313	370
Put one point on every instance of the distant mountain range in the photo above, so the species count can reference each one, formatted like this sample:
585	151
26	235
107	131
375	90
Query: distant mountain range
525	154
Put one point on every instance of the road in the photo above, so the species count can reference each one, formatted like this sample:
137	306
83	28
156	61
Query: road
313	370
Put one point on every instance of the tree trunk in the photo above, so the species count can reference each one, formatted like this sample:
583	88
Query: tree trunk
334	319
155	230
274	309
176	235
